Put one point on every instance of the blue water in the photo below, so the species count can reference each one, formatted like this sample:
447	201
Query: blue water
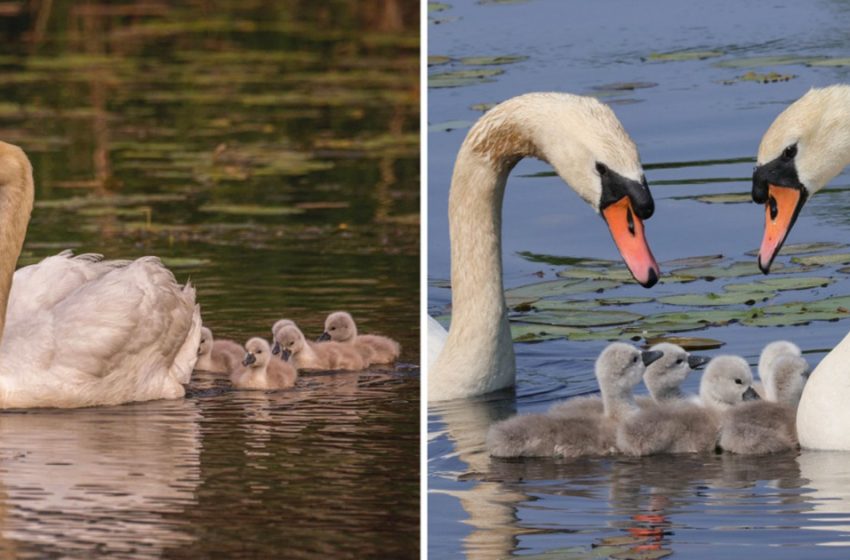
786	506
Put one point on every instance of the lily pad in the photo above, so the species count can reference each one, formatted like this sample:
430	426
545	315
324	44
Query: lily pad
766	78
491	60
538	333
437	60
184	262
803	248
483	107
724	298
604	334
835	258
558	260
624	300
556	288
460	78
781	284
704	260
725	198
830	62
763	61
563	305
624	86
689	343
438	6
712	272
250	209
683	55
581	318
614	274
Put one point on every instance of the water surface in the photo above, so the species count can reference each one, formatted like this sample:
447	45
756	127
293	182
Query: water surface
269	153
697	124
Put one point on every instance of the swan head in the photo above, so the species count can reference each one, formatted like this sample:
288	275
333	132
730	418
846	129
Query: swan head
806	146
620	366
289	341
664	376
340	327
726	382
206	344
582	139
257	353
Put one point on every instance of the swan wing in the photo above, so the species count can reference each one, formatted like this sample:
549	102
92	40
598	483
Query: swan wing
41	286
437	336
130	335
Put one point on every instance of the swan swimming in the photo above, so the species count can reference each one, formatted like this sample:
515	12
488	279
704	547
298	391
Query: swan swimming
79	331
586	432
221	356
803	149
375	349
588	147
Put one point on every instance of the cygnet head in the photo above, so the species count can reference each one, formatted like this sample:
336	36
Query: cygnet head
289	340
620	366
257	353
206	344
769	354
340	327
788	378
280	324
726	382
664	376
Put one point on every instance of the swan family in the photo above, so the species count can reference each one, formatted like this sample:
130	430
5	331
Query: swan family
78	331
806	146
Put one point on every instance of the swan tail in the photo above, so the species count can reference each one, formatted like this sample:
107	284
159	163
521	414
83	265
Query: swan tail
437	336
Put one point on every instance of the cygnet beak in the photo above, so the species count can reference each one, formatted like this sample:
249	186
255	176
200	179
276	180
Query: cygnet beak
650	356
285	354
276	348
323	337
696	362
751	395
249	359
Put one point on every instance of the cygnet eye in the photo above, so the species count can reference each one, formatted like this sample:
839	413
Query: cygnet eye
203	340
680	360
739	382
634	360
259	351
333	328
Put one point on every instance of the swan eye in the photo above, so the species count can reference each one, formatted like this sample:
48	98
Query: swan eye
739	382
601	168
789	152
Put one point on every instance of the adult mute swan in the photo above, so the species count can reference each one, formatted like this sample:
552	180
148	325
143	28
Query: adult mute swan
78	331
588	147
806	146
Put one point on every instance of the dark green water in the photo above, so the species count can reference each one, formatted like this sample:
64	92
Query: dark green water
268	151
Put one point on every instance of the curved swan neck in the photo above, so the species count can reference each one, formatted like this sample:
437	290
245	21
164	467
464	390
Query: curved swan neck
16	200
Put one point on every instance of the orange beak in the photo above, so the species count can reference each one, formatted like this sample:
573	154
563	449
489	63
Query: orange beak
780	212
627	231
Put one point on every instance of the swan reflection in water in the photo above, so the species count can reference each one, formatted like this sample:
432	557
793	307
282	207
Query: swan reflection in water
111	481
663	502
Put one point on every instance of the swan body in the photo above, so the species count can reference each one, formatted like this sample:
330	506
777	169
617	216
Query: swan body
222	356
294	348
375	349
80	331
588	147
260	372
587	432
805	147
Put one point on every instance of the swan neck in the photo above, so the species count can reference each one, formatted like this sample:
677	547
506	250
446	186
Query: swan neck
17	191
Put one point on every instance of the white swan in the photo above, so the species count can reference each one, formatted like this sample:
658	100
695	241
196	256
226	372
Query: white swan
80	331
588	147
806	146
